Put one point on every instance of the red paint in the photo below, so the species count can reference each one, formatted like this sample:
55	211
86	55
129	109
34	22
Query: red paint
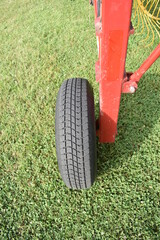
113	41
133	79
113	28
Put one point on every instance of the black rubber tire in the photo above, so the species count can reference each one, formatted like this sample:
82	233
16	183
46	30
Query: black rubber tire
76	134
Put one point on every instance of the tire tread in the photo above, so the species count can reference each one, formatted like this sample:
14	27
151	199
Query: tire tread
75	133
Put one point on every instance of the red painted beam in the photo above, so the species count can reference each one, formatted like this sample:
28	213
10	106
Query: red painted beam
113	42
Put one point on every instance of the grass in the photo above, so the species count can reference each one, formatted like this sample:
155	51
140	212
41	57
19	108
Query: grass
43	43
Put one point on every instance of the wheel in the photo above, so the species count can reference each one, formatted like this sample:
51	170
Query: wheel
76	134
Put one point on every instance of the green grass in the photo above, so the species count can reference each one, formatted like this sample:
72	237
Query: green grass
43	43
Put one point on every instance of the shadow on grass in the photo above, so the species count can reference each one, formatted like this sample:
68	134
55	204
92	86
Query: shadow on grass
137	117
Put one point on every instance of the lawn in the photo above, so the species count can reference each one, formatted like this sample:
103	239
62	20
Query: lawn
44	42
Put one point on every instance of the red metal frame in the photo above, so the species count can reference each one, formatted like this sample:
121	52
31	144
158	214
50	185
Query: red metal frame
112	31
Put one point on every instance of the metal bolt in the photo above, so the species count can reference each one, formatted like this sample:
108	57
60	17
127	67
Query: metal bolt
132	89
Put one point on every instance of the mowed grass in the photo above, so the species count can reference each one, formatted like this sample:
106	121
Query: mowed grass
43	43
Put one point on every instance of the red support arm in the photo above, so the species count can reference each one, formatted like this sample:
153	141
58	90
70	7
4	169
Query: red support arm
130	83
112	30
135	77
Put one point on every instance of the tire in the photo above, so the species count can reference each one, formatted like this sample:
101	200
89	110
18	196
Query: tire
76	134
